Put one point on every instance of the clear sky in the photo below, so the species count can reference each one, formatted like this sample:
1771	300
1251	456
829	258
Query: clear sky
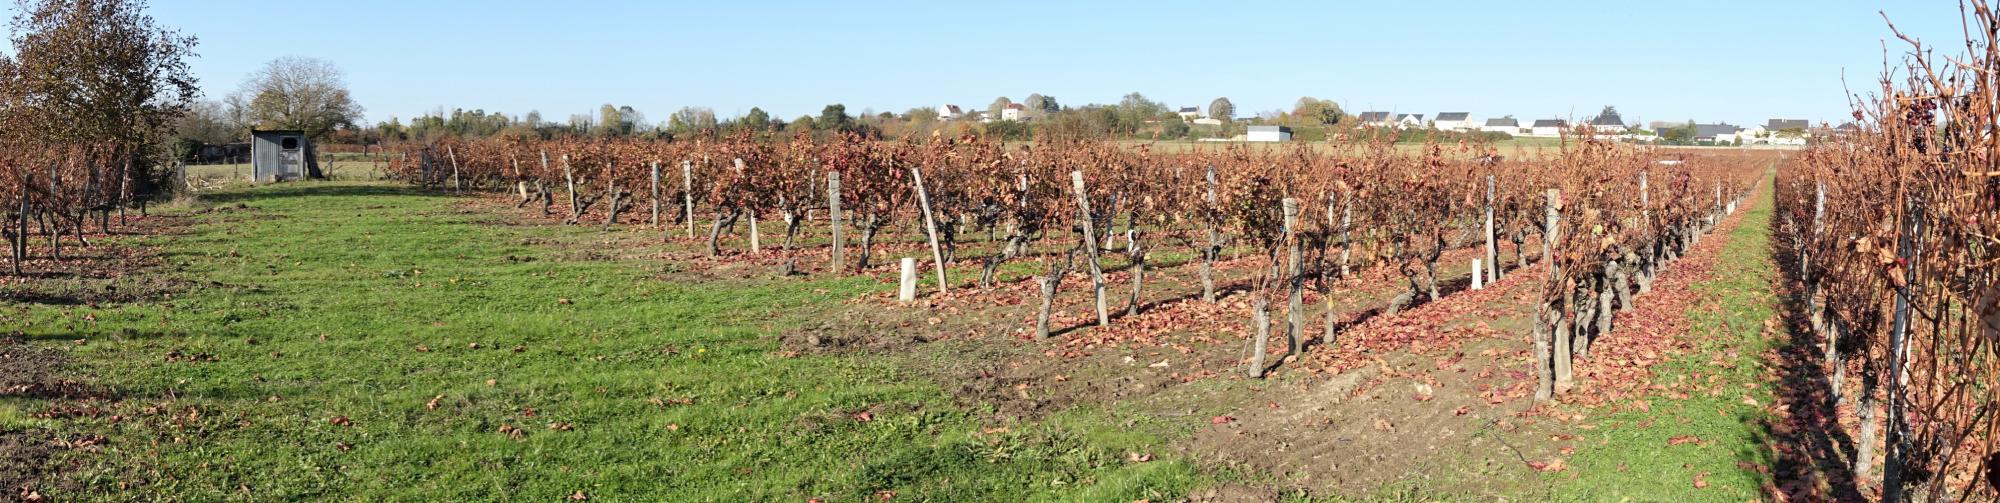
1741	62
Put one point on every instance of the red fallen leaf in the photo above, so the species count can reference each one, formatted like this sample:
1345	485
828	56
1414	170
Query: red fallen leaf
1642	405
433	404
673	427
1138	457
1551	466
578	496
560	426
864	416
885	495
1701	480
340	421
1462	410
1683	439
1221	420
563	302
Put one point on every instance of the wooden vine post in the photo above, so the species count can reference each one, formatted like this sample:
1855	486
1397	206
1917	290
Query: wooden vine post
756	238
1546	312
1896	448
1295	316
457	184
833	218
1090	246
1492	249
930	227
687	194
575	210
656	194
1214	248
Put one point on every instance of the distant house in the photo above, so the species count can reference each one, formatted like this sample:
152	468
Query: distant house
1189	113
1548	127
1014	112
1208	121
1377	119
1454	121
1608	124
1723	132
1410	120
1777	125
1270	133
949	112
1502	125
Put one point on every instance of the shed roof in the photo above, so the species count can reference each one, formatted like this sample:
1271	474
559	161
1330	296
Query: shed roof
1503	121
1453	116
1551	123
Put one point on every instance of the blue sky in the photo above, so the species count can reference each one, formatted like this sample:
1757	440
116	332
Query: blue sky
1741	63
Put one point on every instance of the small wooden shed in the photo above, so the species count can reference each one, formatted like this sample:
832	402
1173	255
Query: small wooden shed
279	155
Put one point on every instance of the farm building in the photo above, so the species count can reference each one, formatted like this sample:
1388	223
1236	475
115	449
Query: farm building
1189	113
1454	121
1548	127
1502	125
281	155
1270	133
949	112
1410	120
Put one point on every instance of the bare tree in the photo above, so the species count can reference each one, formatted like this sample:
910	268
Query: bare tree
307	94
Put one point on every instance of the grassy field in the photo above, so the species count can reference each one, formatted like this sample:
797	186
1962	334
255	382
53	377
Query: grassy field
369	342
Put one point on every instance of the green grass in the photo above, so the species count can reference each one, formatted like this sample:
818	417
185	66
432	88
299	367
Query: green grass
1623	460
362	301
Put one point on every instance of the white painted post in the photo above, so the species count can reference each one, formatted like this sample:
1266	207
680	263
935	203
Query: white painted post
755	236
909	290
1478	280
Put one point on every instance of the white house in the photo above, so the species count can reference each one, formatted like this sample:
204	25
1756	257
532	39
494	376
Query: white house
1013	112
1410	120
1189	113
1502	125
1377	119
1208	121
1270	133
1608	124
1548	127
949	112
1454	121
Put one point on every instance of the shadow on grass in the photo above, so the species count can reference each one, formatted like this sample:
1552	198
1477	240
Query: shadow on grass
1821	446
316	189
